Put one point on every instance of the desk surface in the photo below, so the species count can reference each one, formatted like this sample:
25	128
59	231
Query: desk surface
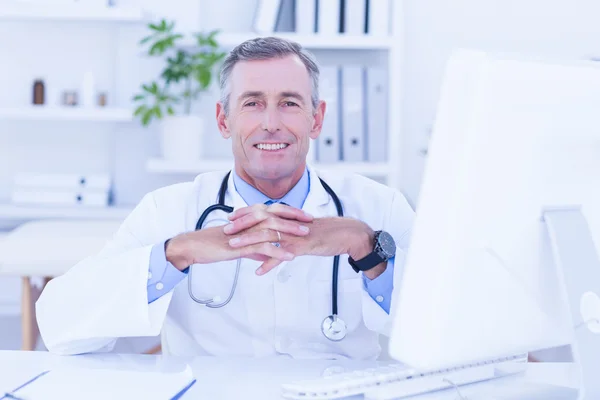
253	378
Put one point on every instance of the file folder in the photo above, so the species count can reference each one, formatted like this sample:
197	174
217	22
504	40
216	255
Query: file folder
353	114
377	114
63	180
378	20
306	16
286	19
267	14
49	197
328	17
355	17
328	143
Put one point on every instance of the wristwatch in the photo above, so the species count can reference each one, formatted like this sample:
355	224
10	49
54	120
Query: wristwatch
383	250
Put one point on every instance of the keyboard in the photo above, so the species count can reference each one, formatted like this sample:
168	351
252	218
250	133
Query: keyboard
397	380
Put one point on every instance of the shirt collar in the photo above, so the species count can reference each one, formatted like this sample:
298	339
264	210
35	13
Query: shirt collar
295	197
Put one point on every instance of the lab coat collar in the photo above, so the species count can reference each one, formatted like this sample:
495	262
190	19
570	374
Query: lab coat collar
317	195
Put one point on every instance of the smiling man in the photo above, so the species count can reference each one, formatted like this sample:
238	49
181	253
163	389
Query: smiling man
320	252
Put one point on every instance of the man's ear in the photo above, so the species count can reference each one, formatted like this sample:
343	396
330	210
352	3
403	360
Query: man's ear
222	121
318	118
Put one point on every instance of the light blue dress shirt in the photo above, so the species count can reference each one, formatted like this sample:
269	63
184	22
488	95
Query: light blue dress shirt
163	276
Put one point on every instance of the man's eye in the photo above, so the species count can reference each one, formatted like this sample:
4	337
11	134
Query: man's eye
250	104
290	104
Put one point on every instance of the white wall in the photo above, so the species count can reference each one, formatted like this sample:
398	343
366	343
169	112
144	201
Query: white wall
434	27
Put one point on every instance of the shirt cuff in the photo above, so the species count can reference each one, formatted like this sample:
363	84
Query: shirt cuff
380	288
162	275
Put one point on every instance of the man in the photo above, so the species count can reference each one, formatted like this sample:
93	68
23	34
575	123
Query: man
284	227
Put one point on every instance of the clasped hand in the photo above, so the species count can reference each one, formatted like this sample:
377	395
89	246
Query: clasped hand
254	230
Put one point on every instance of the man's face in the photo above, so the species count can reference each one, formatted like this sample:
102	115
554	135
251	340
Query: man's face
271	117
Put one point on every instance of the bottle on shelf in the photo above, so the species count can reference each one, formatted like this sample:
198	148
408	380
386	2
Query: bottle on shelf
38	92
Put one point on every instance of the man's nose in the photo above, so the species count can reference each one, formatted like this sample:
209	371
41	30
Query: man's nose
271	120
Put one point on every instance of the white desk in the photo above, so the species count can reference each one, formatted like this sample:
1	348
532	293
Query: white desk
253	378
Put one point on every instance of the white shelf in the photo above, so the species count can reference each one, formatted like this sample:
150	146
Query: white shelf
21	212
362	168
314	42
48	113
22	10
157	165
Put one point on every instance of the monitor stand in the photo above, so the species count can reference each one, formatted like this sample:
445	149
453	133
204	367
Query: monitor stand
578	270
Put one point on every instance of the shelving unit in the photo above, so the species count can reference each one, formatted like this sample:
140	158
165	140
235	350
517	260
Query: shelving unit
158	165
22	11
161	166
82	12
48	113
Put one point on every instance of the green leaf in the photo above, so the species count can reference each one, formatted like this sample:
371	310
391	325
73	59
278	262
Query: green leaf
156	49
170	110
139	110
203	76
146	118
139	97
147	88
154	27
157	112
146	39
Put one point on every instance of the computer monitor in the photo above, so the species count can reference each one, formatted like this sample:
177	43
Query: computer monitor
512	138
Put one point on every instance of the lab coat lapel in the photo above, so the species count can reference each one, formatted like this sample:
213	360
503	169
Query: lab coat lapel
233	197
318	202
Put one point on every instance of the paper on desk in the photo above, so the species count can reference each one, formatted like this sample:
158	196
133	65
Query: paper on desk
92	384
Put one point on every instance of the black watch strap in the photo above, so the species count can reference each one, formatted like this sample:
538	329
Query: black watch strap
366	263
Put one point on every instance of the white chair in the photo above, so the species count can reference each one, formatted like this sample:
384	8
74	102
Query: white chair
47	249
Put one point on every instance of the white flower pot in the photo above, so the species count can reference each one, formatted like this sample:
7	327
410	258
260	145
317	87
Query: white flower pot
181	138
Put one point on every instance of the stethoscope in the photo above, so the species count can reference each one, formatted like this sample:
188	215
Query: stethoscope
333	327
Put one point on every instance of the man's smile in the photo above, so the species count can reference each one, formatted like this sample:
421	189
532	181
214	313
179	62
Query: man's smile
271	146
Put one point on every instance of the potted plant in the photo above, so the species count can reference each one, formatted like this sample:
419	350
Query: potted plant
189	71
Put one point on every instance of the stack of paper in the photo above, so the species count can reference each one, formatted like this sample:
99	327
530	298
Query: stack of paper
61	189
92	384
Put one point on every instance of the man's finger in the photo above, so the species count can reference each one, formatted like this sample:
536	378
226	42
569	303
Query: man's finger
240	212
285	226
266	249
247	221
268	266
270	232
289	212
281	210
248	239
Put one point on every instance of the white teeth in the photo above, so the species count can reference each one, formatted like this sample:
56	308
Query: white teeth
270	146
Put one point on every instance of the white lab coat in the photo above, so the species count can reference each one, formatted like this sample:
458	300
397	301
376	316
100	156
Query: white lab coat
104	297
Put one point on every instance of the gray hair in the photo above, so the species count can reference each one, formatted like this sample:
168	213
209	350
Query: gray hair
266	48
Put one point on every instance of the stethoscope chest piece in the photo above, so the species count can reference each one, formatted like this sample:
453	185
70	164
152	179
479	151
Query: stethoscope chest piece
334	328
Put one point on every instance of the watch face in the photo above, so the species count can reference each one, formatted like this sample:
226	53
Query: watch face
387	244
